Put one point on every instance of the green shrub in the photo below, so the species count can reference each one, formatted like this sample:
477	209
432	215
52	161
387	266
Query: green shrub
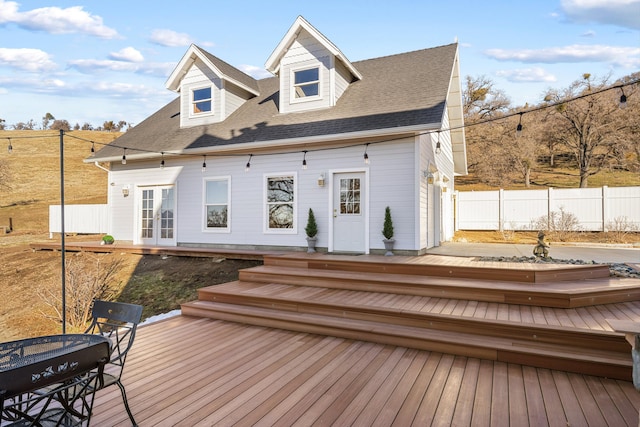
387	230
108	240
312	228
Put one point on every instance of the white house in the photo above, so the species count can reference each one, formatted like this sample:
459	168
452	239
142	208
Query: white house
235	162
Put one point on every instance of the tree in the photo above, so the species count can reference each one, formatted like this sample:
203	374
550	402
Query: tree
481	100
2	124
46	120
109	126
60	124
30	125
588	125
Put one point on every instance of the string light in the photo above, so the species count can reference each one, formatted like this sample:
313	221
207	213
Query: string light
162	161
93	148
124	156
204	164
623	100
519	127
10	147
366	156
438	147
304	160
248	166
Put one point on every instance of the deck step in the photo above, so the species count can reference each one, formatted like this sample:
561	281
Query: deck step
494	271
302	299
562	294
600	362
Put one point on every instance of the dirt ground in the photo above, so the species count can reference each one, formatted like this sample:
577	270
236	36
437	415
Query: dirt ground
159	283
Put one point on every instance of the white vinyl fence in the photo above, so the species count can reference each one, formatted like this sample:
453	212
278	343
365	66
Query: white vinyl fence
596	209
84	219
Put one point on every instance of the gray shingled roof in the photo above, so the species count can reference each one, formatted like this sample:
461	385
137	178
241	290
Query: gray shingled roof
407	89
230	71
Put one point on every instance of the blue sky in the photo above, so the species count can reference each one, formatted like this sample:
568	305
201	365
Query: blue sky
109	60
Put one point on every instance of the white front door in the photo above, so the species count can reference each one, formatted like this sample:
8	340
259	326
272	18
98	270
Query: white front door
156	216
349	212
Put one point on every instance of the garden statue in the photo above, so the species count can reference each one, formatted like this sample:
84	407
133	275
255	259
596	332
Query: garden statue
541	249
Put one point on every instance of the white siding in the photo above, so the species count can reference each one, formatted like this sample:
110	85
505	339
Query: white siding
200	76
342	79
305	52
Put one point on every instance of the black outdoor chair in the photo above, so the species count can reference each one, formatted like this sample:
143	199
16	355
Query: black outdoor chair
117	321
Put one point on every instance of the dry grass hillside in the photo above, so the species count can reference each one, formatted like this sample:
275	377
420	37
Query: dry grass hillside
34	175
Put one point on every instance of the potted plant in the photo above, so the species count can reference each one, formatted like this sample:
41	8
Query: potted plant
387	232
107	240
312	230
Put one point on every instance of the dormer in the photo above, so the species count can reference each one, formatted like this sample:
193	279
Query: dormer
210	89
313	72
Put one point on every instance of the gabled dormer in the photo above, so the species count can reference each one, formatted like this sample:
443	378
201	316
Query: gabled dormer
313	72
210	89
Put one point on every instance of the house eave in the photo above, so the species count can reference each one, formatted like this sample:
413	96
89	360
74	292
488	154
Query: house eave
280	144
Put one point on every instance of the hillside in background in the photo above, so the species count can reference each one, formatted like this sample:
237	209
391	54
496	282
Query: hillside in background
33	170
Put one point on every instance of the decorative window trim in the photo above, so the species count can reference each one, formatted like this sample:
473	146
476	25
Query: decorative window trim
193	103
266	204
205	205
292	84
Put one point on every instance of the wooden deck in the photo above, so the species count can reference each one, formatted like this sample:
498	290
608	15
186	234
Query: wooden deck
189	371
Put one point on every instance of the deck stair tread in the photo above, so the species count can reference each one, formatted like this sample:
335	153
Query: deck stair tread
616	364
558	294
496	271
408	305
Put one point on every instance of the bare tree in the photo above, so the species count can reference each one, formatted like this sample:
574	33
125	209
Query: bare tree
587	125
46	120
88	277
481	100
60	124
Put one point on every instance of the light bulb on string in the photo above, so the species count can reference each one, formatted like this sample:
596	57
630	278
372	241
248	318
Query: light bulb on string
162	161
519	127
366	156
438	146
93	147
124	156
10	147
248	166
204	164
304	160
623	100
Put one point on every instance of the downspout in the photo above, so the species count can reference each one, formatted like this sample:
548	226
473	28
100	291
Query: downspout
98	165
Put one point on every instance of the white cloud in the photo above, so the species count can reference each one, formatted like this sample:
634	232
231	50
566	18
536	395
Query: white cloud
255	72
623	13
90	66
615	55
127	54
527	75
55	20
589	33
170	38
33	60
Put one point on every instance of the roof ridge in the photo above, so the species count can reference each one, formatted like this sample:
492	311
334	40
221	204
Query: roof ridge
406	53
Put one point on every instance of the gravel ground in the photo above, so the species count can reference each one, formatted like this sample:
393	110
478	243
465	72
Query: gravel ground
615	269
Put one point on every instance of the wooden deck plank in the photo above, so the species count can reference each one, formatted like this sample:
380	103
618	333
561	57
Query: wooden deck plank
533	397
518	415
274	377
429	405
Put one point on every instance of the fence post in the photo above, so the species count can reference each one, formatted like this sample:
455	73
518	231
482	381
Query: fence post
605	213
549	206
501	210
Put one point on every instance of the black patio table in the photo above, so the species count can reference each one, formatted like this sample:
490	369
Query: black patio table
51	380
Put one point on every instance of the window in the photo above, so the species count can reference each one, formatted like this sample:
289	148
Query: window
350	196
216	204
280	202
306	83
201	100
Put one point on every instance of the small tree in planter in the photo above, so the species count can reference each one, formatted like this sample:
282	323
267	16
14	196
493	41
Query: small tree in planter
387	232
312	230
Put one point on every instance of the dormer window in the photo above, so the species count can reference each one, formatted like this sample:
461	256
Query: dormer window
306	83
201	100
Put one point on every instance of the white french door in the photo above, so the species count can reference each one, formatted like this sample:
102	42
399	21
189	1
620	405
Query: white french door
156	215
